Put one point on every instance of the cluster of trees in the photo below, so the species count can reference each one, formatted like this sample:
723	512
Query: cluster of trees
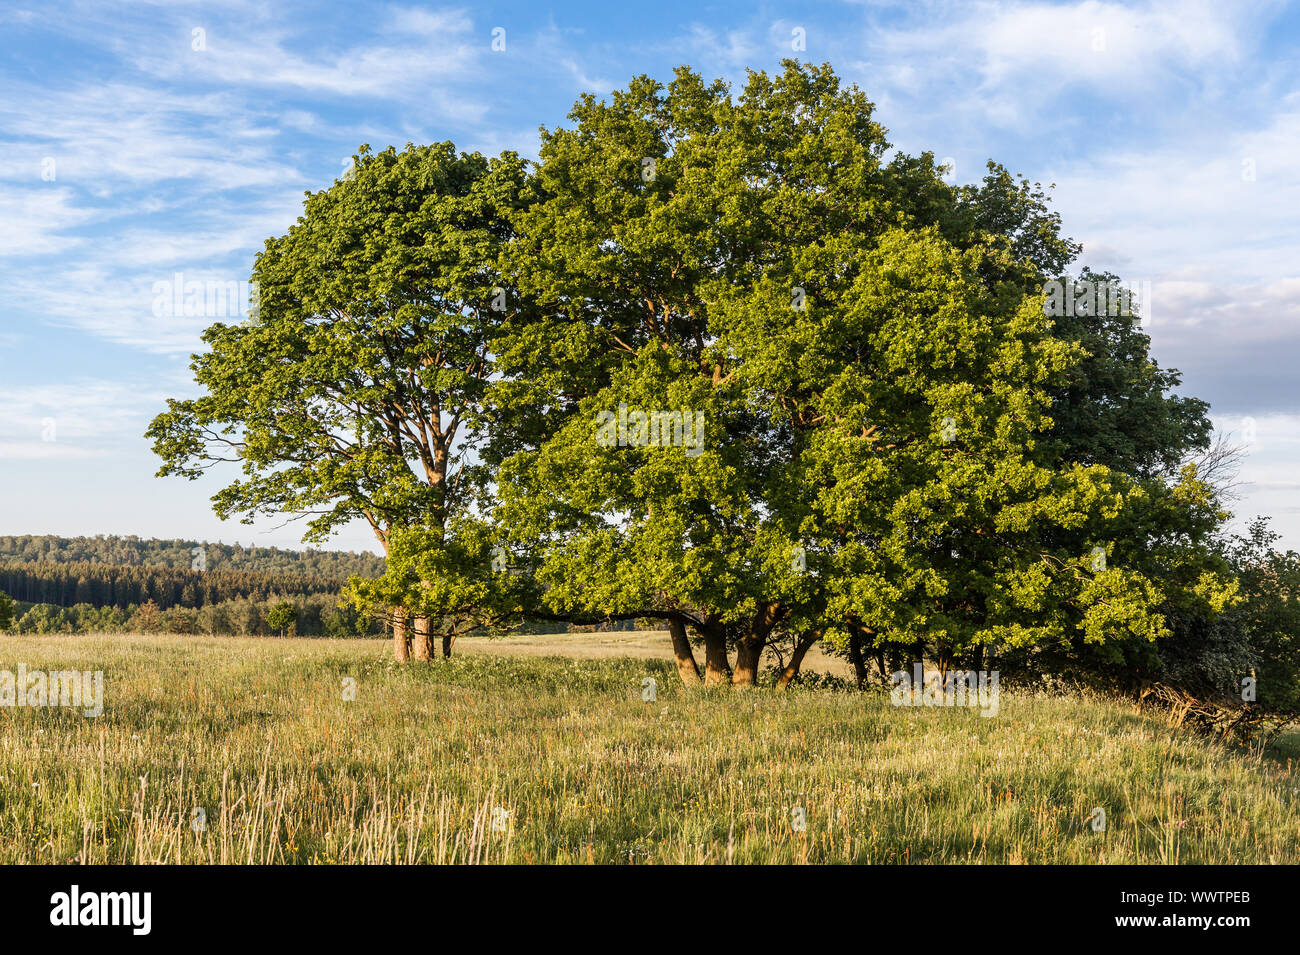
113	585
306	616
132	551
905	454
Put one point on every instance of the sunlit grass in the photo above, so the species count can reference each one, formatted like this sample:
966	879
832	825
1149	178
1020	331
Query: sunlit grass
489	758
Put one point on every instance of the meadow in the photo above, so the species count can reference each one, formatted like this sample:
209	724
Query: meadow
241	750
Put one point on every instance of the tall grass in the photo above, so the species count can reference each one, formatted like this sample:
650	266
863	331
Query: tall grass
490	759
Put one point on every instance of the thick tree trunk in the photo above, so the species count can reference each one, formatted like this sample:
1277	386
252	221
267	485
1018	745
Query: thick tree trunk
421	646
855	657
400	650
749	651
749	648
716	668
796	660
447	639
687	668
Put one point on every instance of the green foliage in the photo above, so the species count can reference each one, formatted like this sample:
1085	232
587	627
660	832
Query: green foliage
1117	407
6	611
62	592
354	392
343	621
317	615
1266	620
883	459
148	618
458	575
282	616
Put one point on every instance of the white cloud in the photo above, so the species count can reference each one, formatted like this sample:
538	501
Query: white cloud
1101	44
1005	62
427	47
71	419
724	49
1176	206
106	137
33	220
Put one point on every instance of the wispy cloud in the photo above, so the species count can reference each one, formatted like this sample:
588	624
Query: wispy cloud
73	419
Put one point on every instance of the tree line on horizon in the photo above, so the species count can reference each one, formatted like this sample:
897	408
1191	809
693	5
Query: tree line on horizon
906	454
110	585
133	551
310	615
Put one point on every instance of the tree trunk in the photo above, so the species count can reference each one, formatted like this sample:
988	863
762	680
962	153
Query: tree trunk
897	659
421	646
399	635
855	657
796	660
749	650
716	668
447	639
687	668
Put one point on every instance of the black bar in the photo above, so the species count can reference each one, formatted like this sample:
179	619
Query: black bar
331	905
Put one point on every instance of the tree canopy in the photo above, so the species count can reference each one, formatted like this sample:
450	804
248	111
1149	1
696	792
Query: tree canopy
876	375
354	392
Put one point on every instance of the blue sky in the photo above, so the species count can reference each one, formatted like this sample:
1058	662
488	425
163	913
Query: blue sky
141	140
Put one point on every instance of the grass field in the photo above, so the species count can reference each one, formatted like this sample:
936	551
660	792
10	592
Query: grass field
502	755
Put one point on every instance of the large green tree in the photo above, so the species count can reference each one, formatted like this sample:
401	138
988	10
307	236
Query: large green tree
355	392
868	353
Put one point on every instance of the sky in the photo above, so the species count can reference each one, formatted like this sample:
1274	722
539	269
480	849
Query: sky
145	145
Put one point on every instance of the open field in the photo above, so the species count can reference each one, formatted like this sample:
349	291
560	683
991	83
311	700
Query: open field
571	765
639	644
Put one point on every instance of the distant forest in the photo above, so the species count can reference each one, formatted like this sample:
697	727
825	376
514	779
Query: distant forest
116	584
179	554
109	585
135	585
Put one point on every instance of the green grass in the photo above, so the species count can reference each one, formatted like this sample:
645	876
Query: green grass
582	770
